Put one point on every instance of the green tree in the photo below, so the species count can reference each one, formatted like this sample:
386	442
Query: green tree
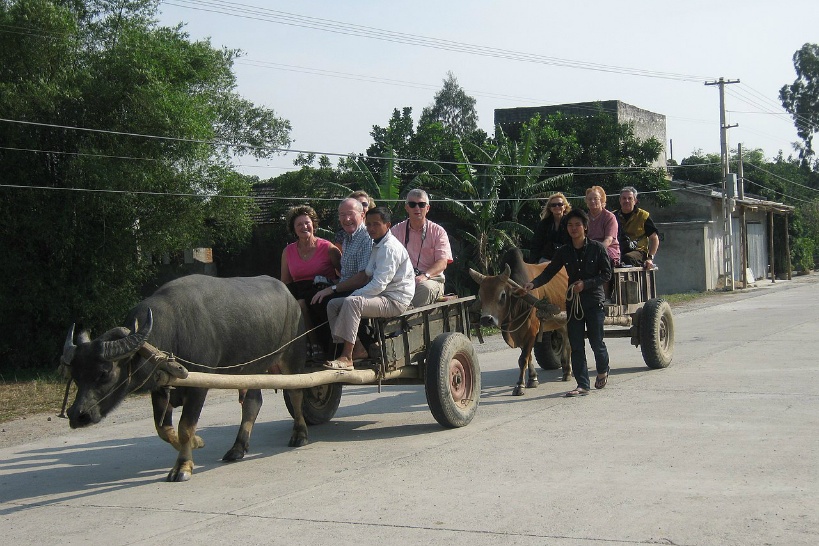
599	151
87	203
453	108
801	98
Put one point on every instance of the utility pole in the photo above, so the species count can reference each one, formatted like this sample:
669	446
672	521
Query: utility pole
727	202
743	225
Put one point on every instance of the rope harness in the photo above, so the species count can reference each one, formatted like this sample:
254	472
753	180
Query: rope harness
168	361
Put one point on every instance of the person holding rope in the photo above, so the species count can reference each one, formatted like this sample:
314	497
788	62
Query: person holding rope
589	268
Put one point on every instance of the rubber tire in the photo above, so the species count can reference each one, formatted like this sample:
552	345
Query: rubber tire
549	352
452	381
657	333
320	403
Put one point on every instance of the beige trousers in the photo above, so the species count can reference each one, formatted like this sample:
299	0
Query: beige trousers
344	314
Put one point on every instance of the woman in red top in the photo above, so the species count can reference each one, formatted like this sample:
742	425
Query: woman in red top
305	260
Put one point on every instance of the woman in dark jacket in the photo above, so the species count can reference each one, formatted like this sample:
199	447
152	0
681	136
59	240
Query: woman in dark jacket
550	233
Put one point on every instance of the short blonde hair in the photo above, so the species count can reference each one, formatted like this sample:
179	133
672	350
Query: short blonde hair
600	191
361	193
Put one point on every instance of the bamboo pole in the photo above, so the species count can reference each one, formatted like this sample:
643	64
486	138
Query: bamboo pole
544	306
279	381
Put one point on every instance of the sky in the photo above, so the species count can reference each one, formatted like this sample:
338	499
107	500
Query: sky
320	63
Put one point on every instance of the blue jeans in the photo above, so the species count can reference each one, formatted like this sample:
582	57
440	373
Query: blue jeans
593	321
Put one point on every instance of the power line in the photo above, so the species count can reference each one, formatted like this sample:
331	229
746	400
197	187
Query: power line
256	13
780	177
308	152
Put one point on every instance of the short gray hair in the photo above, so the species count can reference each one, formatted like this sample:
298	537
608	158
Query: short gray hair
630	189
357	204
419	194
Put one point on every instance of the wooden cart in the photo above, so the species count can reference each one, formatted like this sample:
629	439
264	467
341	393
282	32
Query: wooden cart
428	345
634	311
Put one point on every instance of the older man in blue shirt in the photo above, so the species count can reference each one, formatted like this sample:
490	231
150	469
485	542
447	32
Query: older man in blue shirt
388	293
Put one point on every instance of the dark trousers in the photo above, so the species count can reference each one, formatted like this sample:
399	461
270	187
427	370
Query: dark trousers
593	321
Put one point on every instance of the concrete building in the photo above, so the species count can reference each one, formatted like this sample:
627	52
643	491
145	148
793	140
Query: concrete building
646	124
691	238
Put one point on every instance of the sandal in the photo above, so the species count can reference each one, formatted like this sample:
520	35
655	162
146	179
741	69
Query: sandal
601	381
338	365
577	392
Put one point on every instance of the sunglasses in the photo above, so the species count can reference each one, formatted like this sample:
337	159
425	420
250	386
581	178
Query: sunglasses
413	204
555	205
365	205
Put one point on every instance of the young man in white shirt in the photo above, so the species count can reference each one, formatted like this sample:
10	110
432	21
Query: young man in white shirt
388	293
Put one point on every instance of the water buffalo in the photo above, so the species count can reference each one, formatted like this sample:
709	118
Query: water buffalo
517	319
216	323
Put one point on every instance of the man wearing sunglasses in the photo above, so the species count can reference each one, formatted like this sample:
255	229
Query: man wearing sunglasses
428	246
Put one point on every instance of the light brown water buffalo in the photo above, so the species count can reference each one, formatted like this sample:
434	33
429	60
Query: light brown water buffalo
516	318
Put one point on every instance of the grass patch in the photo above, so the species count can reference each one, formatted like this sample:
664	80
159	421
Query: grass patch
684	297
687	297
31	393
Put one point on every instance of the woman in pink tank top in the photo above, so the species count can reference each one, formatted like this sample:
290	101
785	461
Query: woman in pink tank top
303	262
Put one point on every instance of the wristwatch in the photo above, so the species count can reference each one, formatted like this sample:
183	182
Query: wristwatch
426	275
334	288
650	257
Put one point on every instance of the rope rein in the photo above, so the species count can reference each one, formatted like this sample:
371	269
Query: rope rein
249	361
523	318
574	308
168	355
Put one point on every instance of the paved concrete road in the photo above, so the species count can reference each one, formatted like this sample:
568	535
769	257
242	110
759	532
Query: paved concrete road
718	449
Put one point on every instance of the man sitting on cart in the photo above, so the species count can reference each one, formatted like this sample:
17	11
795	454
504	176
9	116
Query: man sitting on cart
428	247
638	236
388	293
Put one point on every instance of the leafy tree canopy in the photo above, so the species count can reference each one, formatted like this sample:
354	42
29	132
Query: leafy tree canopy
801	98
87	84
453	108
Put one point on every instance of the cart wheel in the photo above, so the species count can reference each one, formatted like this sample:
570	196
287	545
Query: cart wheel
657	333
453	380
549	352
320	403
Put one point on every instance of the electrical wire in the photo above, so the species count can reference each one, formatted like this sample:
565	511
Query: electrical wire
234	9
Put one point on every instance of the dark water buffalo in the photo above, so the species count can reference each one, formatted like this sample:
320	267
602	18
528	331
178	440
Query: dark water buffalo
213	322
517	319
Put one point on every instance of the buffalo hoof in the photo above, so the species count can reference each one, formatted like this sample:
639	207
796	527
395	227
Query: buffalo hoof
567	376
181	472
297	441
519	390
532	383
236	453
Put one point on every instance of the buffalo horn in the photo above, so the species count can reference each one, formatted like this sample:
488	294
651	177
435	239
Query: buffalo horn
120	348
69	347
506	272
477	277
